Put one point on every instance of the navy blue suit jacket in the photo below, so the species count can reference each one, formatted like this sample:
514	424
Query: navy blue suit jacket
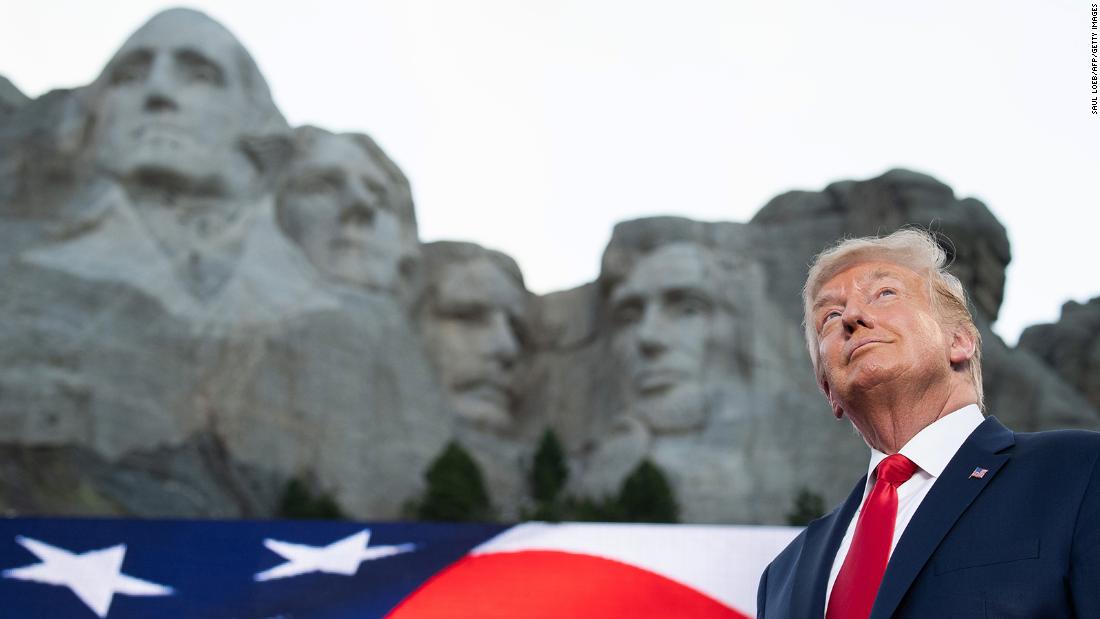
1022	541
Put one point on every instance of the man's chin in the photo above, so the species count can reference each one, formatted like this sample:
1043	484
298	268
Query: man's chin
171	169
483	413
679	408
357	267
867	379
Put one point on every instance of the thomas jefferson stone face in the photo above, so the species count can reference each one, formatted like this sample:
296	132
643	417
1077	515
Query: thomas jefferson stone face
172	106
475	337
667	318
336	207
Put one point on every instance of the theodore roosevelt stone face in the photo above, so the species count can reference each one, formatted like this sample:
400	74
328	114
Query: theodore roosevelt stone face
474	328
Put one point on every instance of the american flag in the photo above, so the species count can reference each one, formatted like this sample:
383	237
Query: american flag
978	473
341	570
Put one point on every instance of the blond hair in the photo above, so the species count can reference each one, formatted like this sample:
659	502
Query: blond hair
914	249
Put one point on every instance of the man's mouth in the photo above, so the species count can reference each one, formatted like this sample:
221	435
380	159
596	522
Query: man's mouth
152	130
861	344
656	380
493	391
343	244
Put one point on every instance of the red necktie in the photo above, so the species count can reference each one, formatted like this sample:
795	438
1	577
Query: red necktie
857	583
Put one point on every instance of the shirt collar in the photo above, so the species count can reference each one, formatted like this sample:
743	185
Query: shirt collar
934	446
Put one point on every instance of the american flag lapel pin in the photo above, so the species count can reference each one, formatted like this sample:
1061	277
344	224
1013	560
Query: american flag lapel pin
978	473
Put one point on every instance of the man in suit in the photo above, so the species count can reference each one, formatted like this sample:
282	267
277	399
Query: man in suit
958	516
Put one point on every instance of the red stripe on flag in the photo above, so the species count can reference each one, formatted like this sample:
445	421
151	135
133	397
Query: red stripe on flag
552	585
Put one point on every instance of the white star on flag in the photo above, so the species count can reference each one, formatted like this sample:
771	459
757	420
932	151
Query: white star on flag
340	557
94	576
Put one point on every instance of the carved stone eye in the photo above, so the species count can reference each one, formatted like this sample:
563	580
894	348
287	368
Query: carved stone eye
470	313
197	68
627	312
134	68
318	182
688	303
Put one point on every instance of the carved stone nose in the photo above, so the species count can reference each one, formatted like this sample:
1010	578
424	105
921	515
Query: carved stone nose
157	102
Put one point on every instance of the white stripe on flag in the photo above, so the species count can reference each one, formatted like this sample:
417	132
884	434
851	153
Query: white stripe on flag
724	562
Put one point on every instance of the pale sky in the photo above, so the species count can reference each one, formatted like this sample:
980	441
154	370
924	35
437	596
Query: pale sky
533	127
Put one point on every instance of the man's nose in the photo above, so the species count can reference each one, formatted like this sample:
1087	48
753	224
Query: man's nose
160	86
501	342
856	314
359	204
652	332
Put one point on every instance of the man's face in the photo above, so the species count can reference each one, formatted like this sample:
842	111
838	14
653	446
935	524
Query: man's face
664	315
173	104
335	205
475	335
876	328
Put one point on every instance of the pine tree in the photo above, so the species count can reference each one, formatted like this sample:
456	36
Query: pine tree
646	496
298	502
549	472
456	489
808	506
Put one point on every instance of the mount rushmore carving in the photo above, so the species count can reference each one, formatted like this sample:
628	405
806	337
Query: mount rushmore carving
200	303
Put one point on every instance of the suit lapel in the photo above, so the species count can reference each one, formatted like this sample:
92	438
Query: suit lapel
949	497
823	538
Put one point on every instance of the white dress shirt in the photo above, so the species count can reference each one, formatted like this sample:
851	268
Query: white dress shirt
931	449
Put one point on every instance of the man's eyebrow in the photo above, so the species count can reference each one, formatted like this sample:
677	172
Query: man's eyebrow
873	276
141	53
687	290
828	299
624	295
139	56
195	57
878	274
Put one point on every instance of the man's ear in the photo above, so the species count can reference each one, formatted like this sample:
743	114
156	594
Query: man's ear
838	411
963	346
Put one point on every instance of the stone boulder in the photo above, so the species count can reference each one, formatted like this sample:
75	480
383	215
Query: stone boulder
1071	346
793	227
677	355
799	224
202	304
11	98
166	349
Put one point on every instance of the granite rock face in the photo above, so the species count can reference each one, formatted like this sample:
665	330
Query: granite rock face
1071	346
202	303
677	355
807	222
795	226
11	98
153	306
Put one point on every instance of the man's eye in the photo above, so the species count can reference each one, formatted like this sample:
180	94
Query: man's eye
689	304
692	307
887	292
377	192
465	313
829	316
134	69
204	74
318	183
199	69
627	313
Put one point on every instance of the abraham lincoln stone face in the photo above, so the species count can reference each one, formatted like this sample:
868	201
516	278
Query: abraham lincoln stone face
669	325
